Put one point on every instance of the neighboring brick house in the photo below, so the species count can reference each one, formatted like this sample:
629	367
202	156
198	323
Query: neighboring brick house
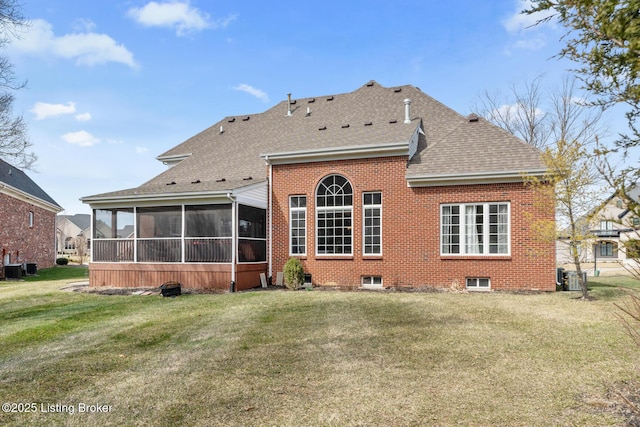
27	220
381	187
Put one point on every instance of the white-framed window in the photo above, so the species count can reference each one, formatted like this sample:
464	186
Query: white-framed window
372	281
608	249
372	223
475	229
606	225
478	283
297	225
334	216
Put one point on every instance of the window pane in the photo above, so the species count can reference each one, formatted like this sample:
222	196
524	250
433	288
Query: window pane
208	221
334	201
252	222
160	222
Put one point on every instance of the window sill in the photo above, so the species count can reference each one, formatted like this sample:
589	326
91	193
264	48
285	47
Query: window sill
334	257
477	257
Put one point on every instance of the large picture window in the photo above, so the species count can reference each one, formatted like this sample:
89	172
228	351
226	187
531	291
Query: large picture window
475	229
334	216
297	225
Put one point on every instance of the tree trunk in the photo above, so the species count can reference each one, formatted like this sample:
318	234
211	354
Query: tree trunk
576	262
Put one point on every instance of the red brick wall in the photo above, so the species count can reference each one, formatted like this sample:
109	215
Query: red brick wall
411	235
24	243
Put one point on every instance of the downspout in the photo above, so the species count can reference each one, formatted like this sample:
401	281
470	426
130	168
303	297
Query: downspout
270	217
234	226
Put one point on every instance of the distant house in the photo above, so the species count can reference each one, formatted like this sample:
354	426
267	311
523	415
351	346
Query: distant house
27	220
615	230
379	187
70	228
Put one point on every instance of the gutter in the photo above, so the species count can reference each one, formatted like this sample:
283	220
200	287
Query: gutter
471	178
337	153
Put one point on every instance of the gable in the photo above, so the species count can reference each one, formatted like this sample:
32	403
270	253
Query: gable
17	184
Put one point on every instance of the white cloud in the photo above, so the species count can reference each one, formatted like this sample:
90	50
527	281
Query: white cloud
42	110
83	117
86	48
253	91
519	21
81	138
142	150
178	15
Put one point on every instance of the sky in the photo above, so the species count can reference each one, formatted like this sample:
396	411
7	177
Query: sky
113	84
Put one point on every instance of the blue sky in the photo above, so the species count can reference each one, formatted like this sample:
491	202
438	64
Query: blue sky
111	85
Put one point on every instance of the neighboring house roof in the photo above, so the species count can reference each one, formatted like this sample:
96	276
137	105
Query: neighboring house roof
82	221
18	184
368	122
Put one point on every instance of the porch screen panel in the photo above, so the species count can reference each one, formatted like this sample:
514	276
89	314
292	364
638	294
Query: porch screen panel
113	235
159	234
252	234
208	230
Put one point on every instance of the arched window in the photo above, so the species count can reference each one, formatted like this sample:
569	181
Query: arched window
334	216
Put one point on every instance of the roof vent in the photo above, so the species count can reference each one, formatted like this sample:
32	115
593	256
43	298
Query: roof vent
311	100
397	90
407	110
246	119
249	178
231	120
197	181
220	180
393	121
289	108
473	117
330	98
221	129
368	123
171	183
345	126
323	128
370	83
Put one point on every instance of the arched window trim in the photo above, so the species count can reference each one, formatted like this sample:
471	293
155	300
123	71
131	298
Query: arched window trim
334	216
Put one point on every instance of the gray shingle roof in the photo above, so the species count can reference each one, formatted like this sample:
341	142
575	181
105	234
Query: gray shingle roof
224	156
14	177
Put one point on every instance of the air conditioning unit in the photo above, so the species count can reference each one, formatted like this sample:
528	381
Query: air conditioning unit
573	284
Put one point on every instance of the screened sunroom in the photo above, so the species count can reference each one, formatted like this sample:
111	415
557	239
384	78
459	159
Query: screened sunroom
203	244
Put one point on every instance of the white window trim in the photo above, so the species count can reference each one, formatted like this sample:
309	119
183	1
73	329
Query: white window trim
477	281
306	221
369	283
364	208
486	224
319	209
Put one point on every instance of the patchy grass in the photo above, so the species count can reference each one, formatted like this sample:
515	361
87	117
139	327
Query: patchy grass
315	358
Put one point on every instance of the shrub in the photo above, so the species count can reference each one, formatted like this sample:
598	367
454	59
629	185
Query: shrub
62	261
293	273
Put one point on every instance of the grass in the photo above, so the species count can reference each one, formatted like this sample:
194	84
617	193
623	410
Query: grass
314	358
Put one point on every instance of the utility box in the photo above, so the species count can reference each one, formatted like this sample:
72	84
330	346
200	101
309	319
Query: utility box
573	284
13	271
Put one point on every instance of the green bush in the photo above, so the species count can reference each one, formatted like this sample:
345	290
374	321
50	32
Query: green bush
62	261
293	273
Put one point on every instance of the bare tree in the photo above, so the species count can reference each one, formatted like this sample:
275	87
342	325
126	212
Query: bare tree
14	145
540	118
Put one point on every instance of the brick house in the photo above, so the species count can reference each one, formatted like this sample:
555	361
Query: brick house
380	187
27	220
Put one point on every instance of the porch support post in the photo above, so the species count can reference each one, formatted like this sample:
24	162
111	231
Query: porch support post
234	235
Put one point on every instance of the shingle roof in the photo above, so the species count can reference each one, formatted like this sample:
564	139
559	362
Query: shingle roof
224	156
17	179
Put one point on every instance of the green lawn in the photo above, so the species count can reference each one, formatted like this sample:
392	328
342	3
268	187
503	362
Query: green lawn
313	358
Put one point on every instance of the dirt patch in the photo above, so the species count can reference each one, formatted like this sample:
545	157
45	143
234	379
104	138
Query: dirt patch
622	400
85	288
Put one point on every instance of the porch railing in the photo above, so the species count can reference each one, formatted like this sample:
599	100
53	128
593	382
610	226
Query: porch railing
214	250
